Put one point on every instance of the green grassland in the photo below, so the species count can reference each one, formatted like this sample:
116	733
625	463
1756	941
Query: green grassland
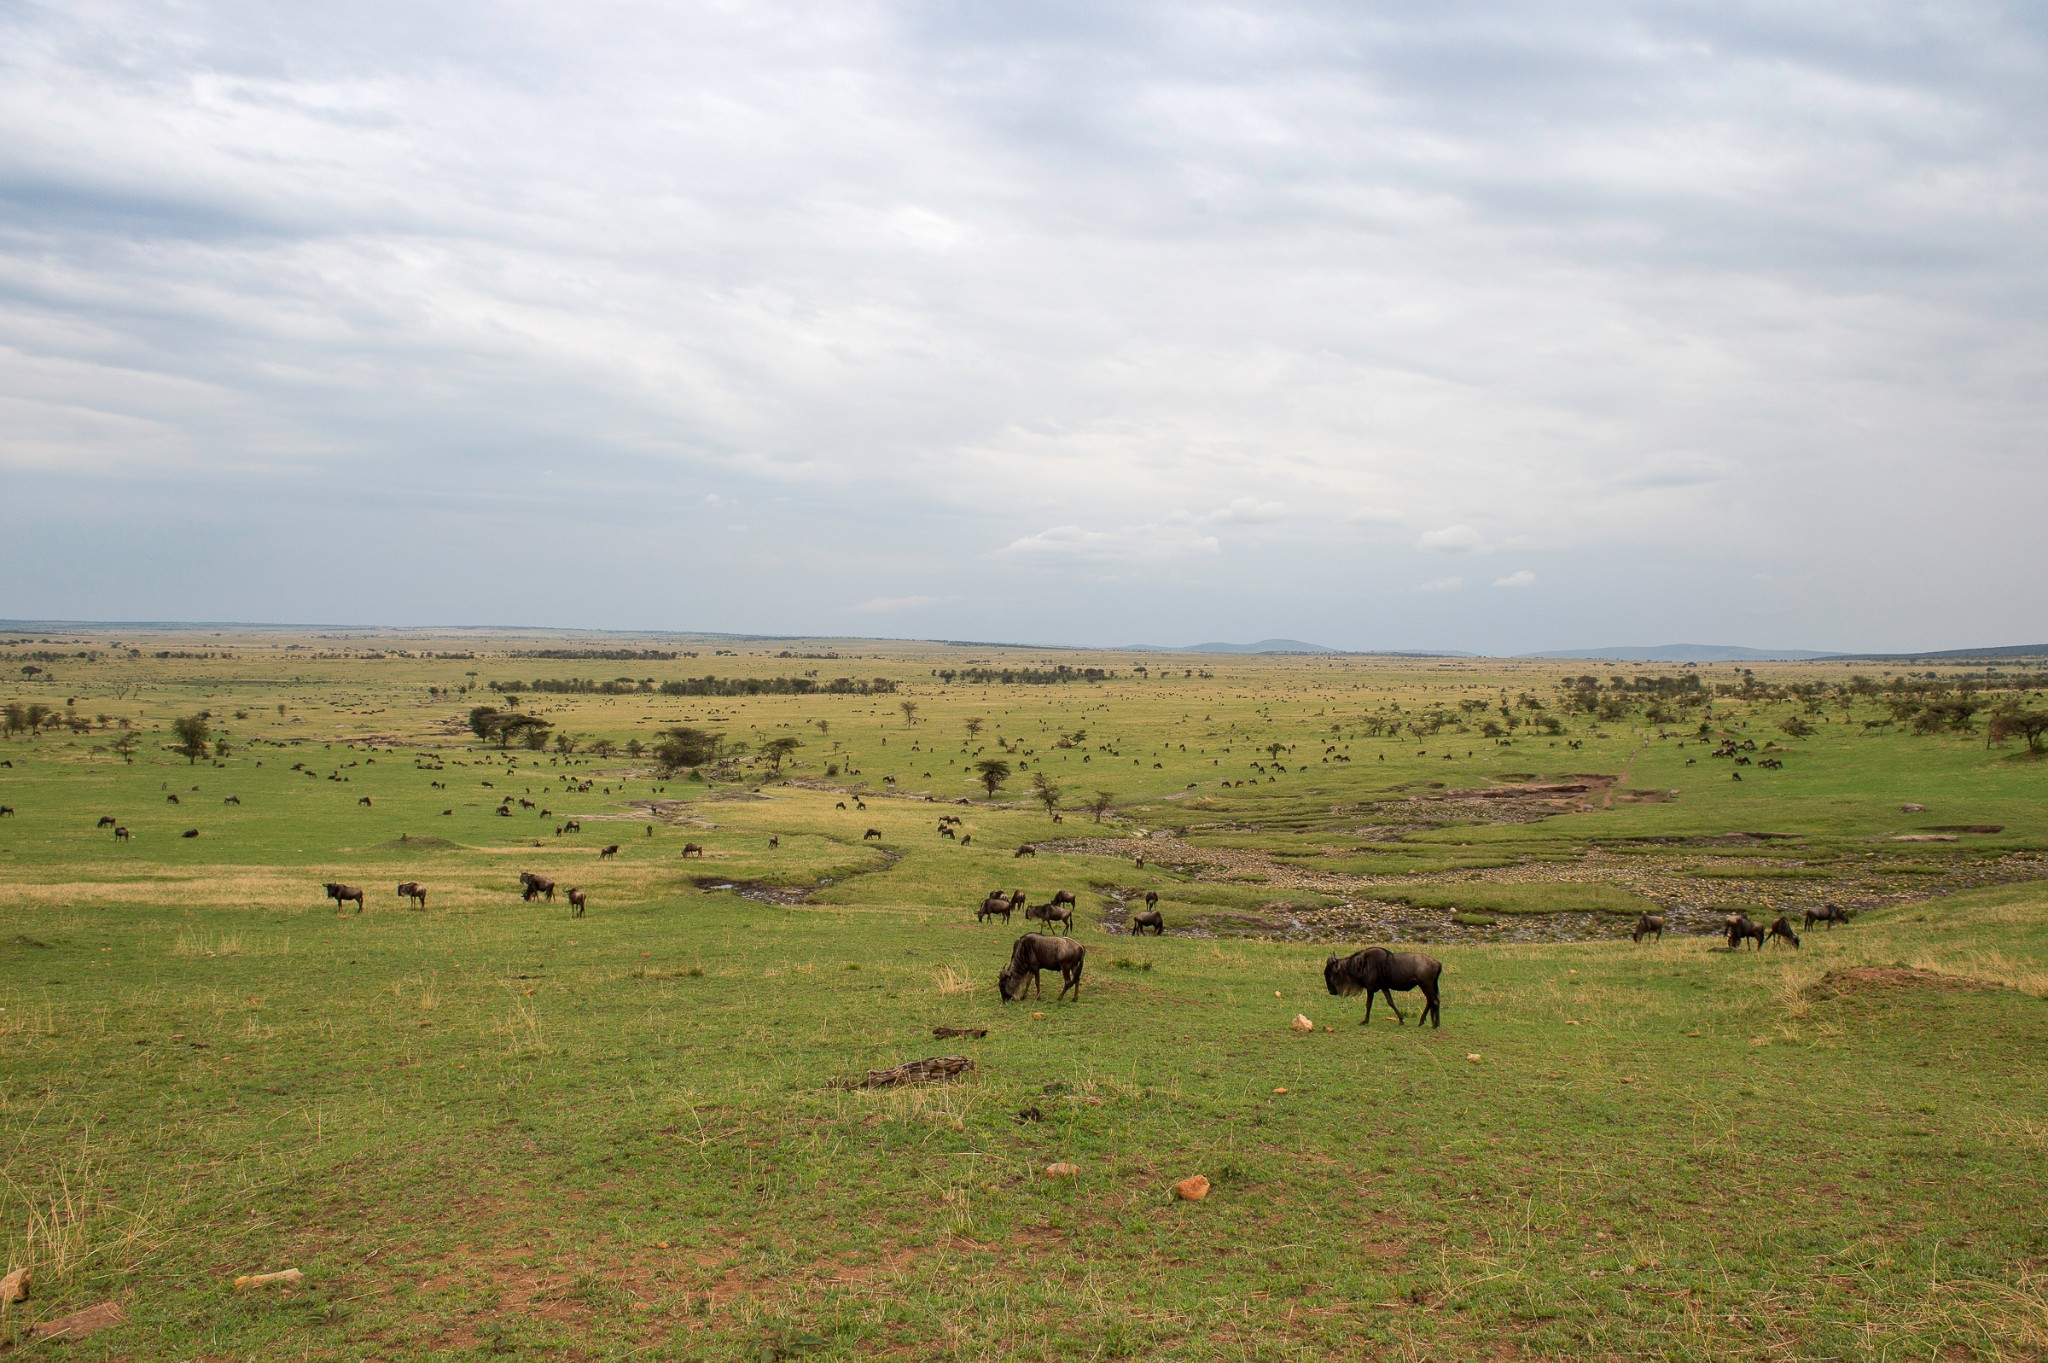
490	1129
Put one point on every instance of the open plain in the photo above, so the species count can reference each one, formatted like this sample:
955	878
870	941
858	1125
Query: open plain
497	1126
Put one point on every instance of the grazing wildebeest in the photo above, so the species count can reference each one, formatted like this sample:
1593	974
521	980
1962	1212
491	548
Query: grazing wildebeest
966	839
446	812
1649	925
696	847
1052	913
1740	929
189	833
997	903
1141	863
572	827
364	800
341	894
1781	931
534	884
577	899
840	805
1377	970
1150	918
1151	899
503	812
168	799
1016	899
1065	897
106	821
874	833
1027	850
860	804
121	832
1034	952
774	841
605	852
945	830
413	893
1830	914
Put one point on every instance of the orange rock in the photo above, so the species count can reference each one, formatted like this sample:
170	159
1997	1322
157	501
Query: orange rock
1191	1189
1302	1024
1062	1171
289	1277
79	1324
14	1287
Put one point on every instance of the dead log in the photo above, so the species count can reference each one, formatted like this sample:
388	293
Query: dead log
936	1070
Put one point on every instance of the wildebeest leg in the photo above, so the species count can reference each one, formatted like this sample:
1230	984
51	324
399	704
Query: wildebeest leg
1430	1011
1399	1016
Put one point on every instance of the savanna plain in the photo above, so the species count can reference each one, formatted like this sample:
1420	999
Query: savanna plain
493	1126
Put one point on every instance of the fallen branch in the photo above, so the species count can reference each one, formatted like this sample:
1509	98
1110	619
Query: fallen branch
933	1071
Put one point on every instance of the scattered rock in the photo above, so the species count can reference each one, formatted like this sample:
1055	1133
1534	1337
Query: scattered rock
1063	1171
972	1033
1279	1090
79	1324
1030	1114
1472	1056
1924	837
1302	1024
1191	1189
14	1287
289	1277
1912	809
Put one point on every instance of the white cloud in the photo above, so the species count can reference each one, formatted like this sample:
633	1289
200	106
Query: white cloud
1453	539
1442	584
1520	578
1131	544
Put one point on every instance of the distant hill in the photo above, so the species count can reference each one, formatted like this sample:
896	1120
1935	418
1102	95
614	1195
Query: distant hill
1687	653
2004	652
1262	646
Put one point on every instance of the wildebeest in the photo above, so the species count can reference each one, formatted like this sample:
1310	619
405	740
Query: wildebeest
577	899
1781	931
1741	929
106	821
572	827
1150	918
696	847
966	839
232	800
1034	952
1052	913
121	832
364	800
1830	914
534	884
1377	970
840	805
1027	850
503	812
413	893
874	833
1065	897
341	894
168	799
1649	925
774	841
997	903
189	833
605	852
945	830
1151	899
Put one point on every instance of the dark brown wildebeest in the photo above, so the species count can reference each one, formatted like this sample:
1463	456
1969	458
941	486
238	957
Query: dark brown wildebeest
840	805
365	800
1052	913
1141	863
997	903
577	899
604	853
1741	929
1026	850
106	821
189	833
1649	925
874	833
1781	931
121	832
1150	918
1151	899
534	884
446	812
413	893
1016	899
1830	914
503	812
1377	970
696	847
945	830
1065	897
1034	952
341	894
170	799
774	841
232	800
860	803
572	827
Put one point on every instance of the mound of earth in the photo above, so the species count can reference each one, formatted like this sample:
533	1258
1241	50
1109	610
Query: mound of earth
1862	979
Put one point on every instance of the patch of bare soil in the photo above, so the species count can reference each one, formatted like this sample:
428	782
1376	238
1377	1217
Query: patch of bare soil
1862	979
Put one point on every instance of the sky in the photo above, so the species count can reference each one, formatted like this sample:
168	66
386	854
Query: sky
1482	326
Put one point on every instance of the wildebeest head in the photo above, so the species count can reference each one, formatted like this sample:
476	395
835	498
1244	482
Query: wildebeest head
1340	980
1010	985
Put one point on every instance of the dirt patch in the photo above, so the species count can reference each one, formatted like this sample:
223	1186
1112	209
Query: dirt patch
1966	828
1864	979
757	891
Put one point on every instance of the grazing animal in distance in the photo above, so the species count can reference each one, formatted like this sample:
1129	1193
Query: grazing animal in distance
413	893
1151	899
966	838
232	800
1378	970
1741	929
341	894
946	830
535	885
171	799
122	834
572	827
446	813
577	899
696	847
1781	931
606	853
1649	925
1065	897
874	833
1027	850
997	903
365	800
1035	951
1150	918
106	821
1052	913
1830	914
840	805
189	833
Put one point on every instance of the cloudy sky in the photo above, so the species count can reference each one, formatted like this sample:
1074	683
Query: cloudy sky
1434	324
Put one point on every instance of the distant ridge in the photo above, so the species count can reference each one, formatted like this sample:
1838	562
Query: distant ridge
1687	653
1262	646
2003	652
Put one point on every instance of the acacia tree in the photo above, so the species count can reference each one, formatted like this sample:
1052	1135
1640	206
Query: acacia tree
1046	792
974	728
909	709
1100	802
193	731
2013	722
775	749
994	771
681	747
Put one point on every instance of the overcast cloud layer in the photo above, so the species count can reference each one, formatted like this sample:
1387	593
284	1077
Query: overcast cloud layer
1495	327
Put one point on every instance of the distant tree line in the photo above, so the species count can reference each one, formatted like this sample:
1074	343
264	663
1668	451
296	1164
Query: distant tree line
1026	676
702	686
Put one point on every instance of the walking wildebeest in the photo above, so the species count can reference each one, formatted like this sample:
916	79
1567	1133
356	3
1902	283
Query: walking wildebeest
874	833
1034	952
1150	918
534	884
577	899
413	893
1377	970
168	799
1781	931
997	903
1740	929
341	894
364	801
606	852
106	821
232	800
696	847
1065	897
1151	899
1649	925
121	833
774	841
1052	913
1016	899
1830	914
1027	850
